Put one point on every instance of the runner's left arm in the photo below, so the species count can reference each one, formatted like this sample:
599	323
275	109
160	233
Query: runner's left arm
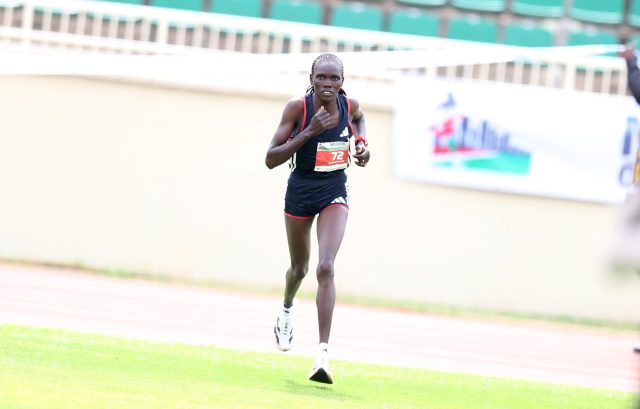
362	154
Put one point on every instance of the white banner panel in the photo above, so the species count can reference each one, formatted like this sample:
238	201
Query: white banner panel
513	138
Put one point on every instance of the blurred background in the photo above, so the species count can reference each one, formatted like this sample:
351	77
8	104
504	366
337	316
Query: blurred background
134	133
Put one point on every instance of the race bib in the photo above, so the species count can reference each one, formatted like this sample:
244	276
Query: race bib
332	156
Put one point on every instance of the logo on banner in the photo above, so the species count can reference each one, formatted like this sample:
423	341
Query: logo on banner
475	144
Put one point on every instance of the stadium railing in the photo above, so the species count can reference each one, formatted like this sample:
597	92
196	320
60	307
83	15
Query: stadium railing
107	27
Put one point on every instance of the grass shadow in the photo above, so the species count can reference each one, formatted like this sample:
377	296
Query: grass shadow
316	390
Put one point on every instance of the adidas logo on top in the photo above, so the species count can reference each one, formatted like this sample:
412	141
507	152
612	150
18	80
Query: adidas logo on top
345	132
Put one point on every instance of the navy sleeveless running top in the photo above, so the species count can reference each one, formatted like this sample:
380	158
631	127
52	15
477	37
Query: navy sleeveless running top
328	153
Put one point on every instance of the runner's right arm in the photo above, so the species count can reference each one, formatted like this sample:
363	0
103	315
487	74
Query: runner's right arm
282	147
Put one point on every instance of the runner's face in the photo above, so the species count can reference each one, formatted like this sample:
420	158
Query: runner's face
327	79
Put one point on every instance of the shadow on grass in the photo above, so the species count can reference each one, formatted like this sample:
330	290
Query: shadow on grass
309	388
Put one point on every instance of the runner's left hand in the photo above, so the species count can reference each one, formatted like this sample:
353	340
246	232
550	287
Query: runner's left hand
362	154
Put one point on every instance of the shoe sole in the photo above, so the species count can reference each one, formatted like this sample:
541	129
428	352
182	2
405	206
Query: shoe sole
322	376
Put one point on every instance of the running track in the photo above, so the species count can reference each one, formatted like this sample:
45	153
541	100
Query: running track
73	300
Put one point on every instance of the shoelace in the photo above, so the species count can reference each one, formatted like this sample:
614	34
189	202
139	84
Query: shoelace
321	360
286	324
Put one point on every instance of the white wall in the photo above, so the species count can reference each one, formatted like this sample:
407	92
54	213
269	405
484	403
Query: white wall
168	181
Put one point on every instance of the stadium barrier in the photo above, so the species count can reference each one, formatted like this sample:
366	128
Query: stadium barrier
37	26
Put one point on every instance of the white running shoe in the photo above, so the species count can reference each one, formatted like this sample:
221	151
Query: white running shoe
284	329
320	372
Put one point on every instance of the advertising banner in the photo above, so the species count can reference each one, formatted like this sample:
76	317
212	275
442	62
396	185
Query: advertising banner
513	138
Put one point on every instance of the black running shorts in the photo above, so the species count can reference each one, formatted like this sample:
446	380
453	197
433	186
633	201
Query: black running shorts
307	196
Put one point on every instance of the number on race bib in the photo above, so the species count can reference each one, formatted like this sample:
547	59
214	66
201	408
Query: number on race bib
332	156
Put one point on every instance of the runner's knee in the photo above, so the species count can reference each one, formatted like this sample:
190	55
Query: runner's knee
299	272
325	270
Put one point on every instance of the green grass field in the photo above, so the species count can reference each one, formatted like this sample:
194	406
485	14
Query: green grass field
42	368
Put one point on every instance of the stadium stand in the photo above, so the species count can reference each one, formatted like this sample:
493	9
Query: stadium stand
413	21
121	19
247	8
480	5
357	15
589	37
633	14
297	10
422	3
530	23
527	35
193	5
598	11
472	29
538	8
502	21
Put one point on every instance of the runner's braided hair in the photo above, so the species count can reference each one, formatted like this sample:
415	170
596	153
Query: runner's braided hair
328	57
